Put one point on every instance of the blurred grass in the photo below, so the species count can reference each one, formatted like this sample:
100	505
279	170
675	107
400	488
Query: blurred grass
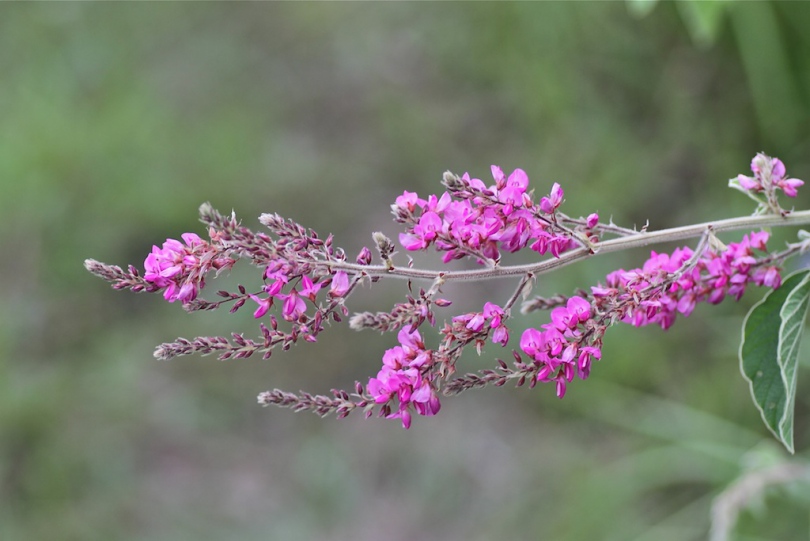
118	120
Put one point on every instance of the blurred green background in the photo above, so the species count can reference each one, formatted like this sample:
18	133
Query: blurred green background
118	120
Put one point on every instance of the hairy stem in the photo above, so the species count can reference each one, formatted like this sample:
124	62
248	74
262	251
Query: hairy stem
637	240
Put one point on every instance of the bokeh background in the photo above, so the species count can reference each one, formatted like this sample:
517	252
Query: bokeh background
118	120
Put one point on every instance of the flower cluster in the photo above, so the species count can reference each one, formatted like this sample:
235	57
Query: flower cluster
668	284
560	350
480	220
305	280
406	377
179	269
769	174
466	326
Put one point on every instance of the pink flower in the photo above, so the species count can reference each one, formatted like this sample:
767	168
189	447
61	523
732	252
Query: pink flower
308	288
532	341
576	311
593	220
411	242
497	174
264	305
481	221
188	292
476	322
429	225
411	341
493	313
340	284
579	308
501	335
294	306
438	205
768	276
551	203
587	353
749	183
364	257
180	267
789	186
560	386
164	264
275	288
715	276
409	201
513	192
769	173
558	245
777	169
758	239
402	378
518	179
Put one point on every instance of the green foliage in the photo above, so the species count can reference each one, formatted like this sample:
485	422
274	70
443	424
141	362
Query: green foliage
769	352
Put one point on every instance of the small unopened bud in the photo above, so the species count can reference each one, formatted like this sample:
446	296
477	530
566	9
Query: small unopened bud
401	215
385	247
452	182
364	257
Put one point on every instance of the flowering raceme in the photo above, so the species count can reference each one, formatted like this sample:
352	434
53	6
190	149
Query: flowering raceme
769	173
406	377
559	351
482	221
305	282
180	268
711	277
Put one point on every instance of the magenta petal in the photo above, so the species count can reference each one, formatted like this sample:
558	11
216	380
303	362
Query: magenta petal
518	178
497	173
188	292
191	239
422	394
748	183
777	169
560	387
340	284
531	341
411	242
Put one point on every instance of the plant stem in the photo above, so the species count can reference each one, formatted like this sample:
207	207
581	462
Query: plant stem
636	240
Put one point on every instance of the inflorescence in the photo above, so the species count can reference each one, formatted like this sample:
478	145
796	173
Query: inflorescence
305	281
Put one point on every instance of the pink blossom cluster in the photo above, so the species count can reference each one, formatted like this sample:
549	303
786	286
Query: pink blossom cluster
713	276
467	326
405	376
294	307
559	350
308	280
484	220
769	173
180	267
294	302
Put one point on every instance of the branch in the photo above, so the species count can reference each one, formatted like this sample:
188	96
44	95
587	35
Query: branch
645	238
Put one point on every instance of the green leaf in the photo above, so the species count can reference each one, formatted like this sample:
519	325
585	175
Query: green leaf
769	352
